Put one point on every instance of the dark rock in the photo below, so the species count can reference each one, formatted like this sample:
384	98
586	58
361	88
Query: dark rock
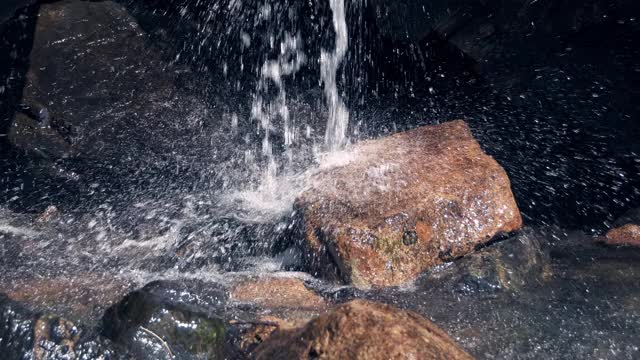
166	319
362	330
16	334
96	89
513	264
28	335
405	203
26	133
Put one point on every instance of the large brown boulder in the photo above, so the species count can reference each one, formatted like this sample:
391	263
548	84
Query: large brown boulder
362	330
405	203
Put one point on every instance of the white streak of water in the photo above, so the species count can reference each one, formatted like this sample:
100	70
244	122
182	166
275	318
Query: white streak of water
335	135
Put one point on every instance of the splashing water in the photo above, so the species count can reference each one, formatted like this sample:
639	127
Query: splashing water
288	63
277	191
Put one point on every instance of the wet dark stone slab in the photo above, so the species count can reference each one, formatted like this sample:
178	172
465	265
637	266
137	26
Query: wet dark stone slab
167	319
580	289
94	88
25	334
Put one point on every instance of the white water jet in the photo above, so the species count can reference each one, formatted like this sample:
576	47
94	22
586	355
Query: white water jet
272	195
335	135
276	192
288	63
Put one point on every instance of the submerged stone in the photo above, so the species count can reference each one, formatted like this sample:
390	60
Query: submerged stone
402	204
362	330
166	320
519	262
277	292
81	298
25	334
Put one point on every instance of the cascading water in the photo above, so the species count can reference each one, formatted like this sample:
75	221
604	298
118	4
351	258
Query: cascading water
266	112
335	135
279	184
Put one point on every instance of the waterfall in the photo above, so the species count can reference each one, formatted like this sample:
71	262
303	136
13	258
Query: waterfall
278	184
335	135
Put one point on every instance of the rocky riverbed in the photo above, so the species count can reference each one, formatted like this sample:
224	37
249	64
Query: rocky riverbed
539	293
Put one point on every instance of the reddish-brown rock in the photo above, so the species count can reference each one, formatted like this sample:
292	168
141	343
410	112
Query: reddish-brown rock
277	292
282	302
405	203
628	234
362	330
82	297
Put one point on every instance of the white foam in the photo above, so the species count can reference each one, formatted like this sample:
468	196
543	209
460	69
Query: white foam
10	229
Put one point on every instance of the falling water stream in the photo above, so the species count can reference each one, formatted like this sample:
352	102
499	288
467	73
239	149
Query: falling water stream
280	183
338	119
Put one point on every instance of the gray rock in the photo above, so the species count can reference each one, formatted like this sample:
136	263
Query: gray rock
510	265
166	319
9	7
28	335
96	89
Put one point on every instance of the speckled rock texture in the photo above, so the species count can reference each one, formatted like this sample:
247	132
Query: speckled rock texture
399	205
362	330
628	234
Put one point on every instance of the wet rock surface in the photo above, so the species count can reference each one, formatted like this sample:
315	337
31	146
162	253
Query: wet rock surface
167	320
405	203
94	87
586	288
30	335
277	292
532	295
625	231
513	264
273	302
361	329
